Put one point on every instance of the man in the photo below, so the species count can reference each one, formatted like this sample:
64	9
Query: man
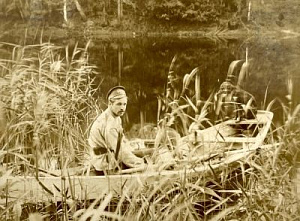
107	145
232	102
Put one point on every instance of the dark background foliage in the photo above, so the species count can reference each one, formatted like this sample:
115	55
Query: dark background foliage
149	12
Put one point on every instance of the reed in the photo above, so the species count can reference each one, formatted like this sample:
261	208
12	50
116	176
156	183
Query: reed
48	102
259	188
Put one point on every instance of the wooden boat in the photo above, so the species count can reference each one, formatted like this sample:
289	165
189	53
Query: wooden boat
233	148
236	134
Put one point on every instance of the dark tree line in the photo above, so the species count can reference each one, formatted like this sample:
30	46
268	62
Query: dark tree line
109	11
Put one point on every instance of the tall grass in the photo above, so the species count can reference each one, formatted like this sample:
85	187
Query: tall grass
46	106
270	193
259	187
46	101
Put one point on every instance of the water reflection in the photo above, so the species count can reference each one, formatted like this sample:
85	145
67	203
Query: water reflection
145	63
142	64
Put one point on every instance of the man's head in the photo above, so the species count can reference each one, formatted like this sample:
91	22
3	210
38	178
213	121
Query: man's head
227	87
117	100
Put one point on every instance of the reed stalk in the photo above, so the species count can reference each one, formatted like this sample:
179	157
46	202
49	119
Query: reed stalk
48	103
46	100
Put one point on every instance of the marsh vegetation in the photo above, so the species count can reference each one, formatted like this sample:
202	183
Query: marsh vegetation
48	99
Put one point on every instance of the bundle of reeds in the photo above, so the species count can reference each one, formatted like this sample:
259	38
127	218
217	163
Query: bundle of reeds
46	105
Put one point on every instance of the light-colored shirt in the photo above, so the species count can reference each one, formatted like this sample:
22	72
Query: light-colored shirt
104	134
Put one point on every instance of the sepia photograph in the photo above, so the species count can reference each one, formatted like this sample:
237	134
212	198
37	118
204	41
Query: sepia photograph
154	110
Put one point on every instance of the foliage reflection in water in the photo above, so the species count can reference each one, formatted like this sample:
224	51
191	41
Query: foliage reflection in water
267	180
143	64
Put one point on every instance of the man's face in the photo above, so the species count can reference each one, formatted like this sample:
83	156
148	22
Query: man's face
118	107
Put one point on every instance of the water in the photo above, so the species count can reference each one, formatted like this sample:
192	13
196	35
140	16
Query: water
141	65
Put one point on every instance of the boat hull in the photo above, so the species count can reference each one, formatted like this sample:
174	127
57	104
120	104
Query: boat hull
51	188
